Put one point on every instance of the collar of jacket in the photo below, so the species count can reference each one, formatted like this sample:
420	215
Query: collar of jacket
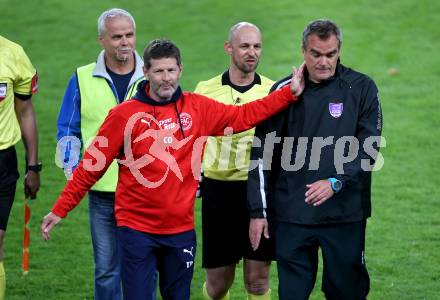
100	69
142	95
226	80
324	82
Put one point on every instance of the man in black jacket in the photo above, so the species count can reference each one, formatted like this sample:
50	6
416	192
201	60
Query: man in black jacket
311	173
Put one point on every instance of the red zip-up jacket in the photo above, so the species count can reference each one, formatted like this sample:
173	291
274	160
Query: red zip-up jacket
159	155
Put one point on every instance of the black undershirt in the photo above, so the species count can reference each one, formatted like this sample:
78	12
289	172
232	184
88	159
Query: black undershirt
121	82
226	80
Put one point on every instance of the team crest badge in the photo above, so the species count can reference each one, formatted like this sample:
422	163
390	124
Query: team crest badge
34	84
186	121
3	90
336	109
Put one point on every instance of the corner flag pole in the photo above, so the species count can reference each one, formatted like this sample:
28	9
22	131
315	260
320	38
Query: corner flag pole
26	236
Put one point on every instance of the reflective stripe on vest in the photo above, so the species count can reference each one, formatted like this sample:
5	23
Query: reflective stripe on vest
97	98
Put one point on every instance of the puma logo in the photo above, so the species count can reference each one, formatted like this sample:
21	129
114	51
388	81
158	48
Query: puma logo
146	122
190	252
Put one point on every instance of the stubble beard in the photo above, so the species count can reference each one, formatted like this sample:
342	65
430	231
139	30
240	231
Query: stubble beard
244	68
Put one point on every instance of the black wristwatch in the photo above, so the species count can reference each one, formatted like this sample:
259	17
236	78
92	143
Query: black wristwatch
35	168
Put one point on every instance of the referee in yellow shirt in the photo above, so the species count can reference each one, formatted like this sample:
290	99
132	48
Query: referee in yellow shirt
18	82
225	219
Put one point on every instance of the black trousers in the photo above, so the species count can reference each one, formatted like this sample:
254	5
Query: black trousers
345	276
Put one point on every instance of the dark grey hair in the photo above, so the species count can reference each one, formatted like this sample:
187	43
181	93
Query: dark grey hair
323	28
112	13
161	48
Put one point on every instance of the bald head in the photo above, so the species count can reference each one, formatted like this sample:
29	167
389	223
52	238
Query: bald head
244	48
236	28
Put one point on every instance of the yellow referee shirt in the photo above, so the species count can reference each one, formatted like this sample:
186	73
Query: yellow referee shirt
17	77
227	158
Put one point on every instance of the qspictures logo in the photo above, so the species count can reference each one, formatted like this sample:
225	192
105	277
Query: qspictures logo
161	144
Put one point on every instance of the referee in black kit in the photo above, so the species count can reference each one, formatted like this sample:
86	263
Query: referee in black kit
316	187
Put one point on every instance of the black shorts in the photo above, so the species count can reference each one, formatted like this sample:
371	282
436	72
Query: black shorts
225	226
8	180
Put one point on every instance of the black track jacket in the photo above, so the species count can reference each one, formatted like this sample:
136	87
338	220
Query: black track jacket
333	131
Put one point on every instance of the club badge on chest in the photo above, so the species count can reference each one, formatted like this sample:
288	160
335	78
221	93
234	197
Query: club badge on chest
336	109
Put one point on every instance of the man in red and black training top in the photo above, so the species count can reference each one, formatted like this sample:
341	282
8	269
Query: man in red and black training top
158	139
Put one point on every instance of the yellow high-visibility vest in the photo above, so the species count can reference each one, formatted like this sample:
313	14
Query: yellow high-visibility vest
97	98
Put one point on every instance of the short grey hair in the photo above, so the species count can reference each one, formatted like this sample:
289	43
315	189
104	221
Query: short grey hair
239	25
113	13
323	28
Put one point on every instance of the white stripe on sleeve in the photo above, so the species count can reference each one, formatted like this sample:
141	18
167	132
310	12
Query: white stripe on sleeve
262	192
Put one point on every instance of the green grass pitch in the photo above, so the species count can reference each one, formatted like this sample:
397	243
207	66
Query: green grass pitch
403	236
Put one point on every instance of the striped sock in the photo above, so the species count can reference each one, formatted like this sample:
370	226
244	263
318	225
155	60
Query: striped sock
260	297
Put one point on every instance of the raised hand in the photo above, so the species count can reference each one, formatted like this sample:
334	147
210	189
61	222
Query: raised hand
297	84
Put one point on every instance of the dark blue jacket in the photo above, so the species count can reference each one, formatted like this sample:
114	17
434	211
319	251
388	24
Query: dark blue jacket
333	131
